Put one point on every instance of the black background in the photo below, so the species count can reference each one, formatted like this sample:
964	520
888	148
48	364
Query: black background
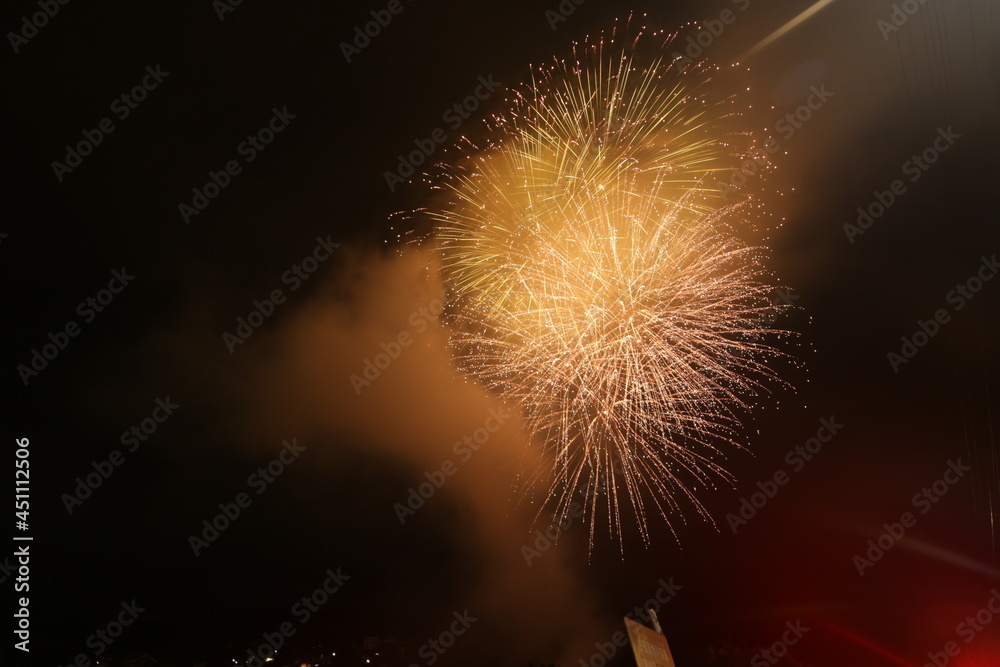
322	176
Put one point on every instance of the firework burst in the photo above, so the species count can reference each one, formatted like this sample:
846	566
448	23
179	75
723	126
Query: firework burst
592	280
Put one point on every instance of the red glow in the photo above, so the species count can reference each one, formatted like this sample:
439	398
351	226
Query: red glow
867	643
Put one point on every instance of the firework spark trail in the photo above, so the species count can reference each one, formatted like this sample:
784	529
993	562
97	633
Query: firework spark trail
592	280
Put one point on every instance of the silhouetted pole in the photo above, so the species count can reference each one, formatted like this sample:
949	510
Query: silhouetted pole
656	621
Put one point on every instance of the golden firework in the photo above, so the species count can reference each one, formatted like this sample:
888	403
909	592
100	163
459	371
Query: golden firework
593	282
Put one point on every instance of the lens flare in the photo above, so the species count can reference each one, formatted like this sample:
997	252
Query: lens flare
596	281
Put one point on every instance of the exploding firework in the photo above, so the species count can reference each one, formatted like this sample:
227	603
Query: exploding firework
595	282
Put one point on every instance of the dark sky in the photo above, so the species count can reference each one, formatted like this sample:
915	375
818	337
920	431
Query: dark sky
890	94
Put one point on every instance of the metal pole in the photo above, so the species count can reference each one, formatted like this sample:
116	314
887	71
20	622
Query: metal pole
656	621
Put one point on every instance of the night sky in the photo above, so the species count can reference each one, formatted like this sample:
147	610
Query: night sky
299	131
